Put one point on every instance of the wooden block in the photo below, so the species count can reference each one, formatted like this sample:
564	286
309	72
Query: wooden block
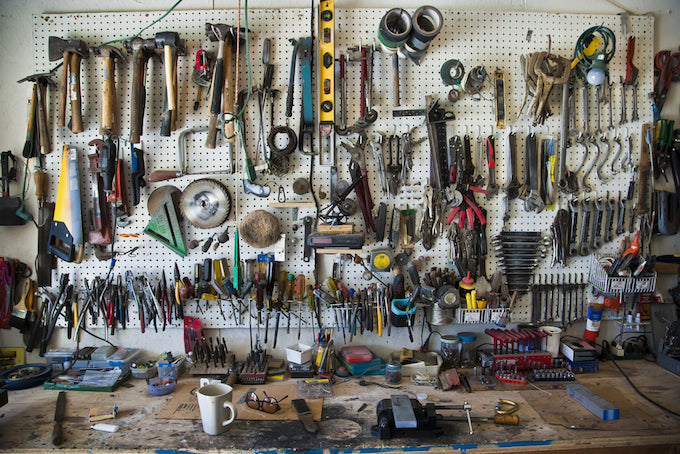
341	229
339	251
292	204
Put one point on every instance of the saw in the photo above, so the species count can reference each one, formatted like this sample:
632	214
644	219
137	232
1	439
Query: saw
205	203
66	231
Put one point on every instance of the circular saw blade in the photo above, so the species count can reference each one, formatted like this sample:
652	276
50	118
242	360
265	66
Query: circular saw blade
205	203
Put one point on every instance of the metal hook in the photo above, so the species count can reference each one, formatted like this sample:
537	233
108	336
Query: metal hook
282	194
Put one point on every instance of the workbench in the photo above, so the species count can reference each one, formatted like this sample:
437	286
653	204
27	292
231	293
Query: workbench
552	422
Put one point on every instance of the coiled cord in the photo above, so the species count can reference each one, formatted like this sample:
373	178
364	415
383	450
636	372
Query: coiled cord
607	38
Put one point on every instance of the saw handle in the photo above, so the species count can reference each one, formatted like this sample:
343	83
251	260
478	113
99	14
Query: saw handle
63	89
74	88
162	175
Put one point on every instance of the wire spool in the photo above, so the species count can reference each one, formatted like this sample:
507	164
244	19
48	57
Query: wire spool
394	30
427	23
452	72
438	316
291	142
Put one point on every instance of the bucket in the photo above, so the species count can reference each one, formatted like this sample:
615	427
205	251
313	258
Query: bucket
552	342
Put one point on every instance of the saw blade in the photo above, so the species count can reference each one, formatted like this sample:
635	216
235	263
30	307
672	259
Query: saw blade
206	203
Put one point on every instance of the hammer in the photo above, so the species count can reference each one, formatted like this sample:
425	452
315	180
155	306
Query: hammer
141	49
40	82
72	51
223	34
109	122
169	42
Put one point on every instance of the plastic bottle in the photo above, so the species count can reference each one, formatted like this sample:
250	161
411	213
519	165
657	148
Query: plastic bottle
466	285
593	322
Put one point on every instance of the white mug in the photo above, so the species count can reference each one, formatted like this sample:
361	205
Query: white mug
213	401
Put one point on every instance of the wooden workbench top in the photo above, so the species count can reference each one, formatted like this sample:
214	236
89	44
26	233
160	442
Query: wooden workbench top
552	421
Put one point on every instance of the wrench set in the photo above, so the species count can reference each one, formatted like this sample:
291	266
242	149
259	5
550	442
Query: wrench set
558	298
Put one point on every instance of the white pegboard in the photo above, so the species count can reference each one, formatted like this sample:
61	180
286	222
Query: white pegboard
492	39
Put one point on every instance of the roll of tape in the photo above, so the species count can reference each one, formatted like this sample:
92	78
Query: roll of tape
427	23
395	28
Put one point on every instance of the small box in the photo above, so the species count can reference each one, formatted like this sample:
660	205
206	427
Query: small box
60	360
428	363
102	353
172	369
356	354
299	353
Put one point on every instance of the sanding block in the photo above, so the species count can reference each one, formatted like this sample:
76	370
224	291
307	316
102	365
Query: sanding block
304	415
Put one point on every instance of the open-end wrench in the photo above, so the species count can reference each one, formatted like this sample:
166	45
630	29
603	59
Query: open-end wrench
598	172
609	222
573	210
617	141
595	240
611	116
623	103
635	104
585	185
629	164
585	129
584	249
622	215
598	131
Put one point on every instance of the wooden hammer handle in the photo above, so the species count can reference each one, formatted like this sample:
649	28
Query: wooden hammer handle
229	87
137	97
211	139
63	89
74	88
169	63
43	128
108	121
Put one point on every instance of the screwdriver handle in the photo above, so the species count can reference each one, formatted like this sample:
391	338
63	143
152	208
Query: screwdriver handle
40	179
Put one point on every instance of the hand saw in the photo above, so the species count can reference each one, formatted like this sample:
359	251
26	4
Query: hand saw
66	231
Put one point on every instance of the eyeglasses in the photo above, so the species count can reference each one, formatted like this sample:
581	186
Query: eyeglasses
267	405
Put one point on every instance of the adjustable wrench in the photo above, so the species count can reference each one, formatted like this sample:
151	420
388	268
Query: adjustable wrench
585	227
532	200
595	240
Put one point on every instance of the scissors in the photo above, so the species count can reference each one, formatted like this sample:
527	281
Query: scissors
668	65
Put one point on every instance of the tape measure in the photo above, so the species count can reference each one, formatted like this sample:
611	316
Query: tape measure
381	260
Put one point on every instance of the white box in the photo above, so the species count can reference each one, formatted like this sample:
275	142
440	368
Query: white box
299	353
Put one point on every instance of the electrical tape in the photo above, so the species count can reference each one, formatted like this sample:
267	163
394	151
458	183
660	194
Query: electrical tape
395	28
427	23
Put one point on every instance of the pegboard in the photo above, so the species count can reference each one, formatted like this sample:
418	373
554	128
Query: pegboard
491	39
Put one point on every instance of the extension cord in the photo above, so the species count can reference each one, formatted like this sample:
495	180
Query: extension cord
617	350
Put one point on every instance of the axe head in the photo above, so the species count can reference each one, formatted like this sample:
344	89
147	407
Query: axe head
107	51
57	47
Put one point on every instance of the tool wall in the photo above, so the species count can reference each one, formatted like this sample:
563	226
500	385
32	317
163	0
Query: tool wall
490	39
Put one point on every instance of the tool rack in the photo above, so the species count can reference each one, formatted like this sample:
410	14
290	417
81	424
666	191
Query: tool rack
492	39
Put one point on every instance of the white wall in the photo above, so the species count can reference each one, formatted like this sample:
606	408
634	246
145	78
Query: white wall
15	55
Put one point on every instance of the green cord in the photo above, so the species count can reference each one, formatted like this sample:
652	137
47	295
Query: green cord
608	38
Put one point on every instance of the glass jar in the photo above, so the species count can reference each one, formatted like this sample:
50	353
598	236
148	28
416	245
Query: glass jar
393	373
467	352
450	351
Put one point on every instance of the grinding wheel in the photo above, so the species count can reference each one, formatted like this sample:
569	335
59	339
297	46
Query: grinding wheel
260	229
205	203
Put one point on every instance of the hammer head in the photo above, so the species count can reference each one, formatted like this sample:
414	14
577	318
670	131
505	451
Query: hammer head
167	39
57	47
218	32
107	51
138	43
40	78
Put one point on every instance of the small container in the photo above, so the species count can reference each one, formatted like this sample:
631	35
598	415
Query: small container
160	386
466	285
299	353
450	350
467	357
401	314
393	373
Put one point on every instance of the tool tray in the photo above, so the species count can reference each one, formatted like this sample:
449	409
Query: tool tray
606	284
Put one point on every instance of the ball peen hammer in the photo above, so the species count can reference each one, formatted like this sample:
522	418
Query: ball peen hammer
72	51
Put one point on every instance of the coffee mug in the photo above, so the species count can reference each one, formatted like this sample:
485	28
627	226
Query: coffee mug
213	401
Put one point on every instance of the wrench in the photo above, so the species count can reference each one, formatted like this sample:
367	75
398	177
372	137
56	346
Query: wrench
611	116
585	129
492	188
595	240
622	215
573	210
583	247
600	176
587	188
609	223
617	141
598	131
532	200
635	106
623	103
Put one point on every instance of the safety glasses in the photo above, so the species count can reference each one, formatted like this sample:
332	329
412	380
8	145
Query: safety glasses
267	405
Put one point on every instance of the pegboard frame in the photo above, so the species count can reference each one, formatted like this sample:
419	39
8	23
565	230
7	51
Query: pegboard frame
491	39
